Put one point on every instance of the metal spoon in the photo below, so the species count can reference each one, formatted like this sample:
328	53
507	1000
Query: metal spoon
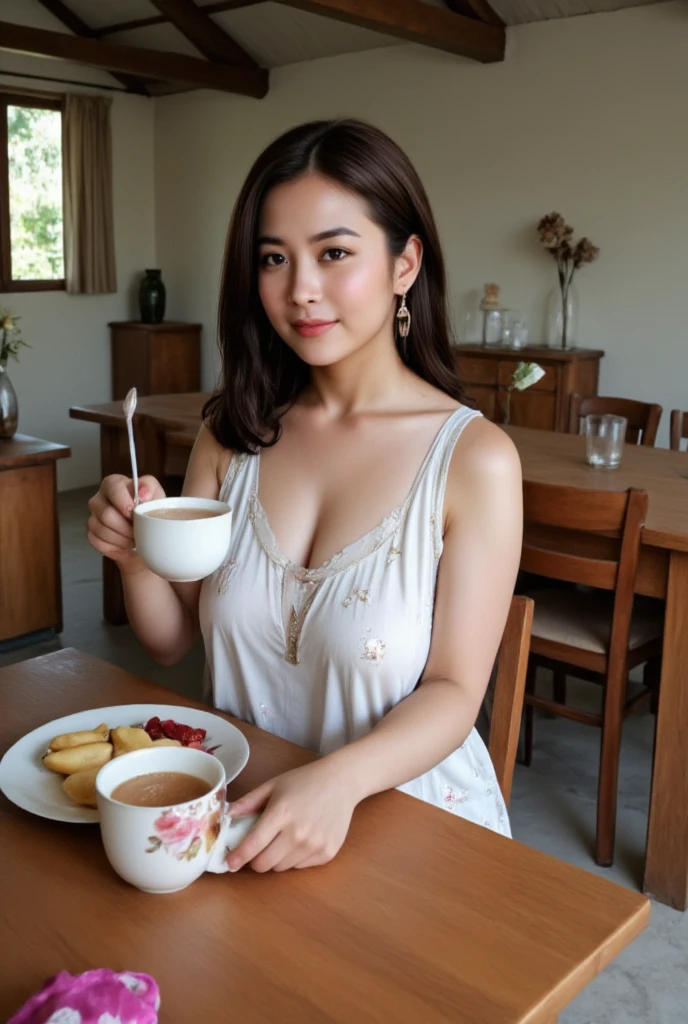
129	410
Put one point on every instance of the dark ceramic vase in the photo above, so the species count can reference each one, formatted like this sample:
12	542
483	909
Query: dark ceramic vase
152	297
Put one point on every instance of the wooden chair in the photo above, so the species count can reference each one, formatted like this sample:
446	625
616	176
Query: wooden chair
643	417
509	690
679	428
590	538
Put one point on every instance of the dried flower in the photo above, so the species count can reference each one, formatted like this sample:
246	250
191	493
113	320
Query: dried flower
557	237
585	252
554	230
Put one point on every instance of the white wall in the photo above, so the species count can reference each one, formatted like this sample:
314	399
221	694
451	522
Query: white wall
585	116
69	361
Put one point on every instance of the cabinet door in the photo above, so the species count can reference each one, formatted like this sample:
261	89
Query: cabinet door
175	362
529	408
485	399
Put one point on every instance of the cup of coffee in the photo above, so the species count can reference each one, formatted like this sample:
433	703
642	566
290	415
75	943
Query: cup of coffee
183	539
164	819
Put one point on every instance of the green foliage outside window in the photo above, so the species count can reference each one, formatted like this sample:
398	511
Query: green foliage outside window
34	143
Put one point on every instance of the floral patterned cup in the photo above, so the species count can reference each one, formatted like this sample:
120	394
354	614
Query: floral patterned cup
164	849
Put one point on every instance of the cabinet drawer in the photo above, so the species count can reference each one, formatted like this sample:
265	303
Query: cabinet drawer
474	370
547	383
485	399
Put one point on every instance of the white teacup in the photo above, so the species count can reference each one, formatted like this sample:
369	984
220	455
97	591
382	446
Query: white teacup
164	849
183	550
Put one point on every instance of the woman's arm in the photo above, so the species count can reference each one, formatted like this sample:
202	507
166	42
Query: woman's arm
309	810
163	615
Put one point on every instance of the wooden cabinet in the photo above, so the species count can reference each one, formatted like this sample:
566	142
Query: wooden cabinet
486	374
156	359
30	581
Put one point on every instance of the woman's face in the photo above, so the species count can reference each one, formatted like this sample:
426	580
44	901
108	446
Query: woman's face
326	279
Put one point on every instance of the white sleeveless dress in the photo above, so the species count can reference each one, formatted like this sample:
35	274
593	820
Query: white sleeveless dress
319	656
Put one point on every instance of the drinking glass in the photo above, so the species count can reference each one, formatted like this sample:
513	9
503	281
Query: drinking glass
604	439
520	334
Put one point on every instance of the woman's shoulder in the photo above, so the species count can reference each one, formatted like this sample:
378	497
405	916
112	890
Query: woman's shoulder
209	457
485	465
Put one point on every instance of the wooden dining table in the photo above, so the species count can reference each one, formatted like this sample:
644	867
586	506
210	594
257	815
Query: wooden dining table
554	458
422	916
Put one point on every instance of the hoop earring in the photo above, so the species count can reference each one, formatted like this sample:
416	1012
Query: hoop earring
403	318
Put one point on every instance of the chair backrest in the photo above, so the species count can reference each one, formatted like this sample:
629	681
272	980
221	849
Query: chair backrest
679	428
643	417
563	530
509	690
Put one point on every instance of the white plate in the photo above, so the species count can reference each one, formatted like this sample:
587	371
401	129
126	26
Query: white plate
26	782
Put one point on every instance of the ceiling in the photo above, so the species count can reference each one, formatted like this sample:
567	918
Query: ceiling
264	35
276	35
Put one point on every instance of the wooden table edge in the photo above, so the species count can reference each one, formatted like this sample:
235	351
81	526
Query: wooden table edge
589	969
84	412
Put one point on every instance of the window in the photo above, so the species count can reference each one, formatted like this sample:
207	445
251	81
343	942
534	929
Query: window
31	226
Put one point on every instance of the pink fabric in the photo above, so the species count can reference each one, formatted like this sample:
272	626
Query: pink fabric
95	997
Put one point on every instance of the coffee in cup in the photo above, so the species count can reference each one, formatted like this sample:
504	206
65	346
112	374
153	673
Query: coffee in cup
183	539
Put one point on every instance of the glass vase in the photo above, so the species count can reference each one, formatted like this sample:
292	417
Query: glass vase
562	318
9	409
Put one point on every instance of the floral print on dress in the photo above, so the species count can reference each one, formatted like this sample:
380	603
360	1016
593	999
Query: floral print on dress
452	797
357	594
224	576
392	555
374	649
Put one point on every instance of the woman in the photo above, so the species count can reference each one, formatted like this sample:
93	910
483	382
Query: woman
377	520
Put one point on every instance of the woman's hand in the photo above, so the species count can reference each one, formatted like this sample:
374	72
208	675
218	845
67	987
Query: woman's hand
110	527
306	816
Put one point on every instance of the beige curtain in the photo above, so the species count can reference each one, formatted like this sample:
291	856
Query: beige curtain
87	188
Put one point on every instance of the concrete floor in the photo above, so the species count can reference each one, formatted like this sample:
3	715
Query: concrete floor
552	809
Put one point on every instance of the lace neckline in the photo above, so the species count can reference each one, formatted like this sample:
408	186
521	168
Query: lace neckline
358	549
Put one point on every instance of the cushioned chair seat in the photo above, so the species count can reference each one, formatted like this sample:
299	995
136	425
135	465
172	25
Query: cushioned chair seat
583	619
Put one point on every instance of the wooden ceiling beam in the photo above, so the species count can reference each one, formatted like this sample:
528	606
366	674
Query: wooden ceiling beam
79	27
160	19
415	22
199	28
480	9
170	67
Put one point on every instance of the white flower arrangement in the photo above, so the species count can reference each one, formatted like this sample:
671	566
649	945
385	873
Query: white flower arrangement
524	376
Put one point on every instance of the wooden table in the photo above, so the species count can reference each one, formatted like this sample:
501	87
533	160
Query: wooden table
30	580
421	917
663	573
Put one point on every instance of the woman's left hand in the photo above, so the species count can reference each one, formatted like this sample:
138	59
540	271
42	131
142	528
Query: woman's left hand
306	816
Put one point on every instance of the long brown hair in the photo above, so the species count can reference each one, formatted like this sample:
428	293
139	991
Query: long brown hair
261	375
